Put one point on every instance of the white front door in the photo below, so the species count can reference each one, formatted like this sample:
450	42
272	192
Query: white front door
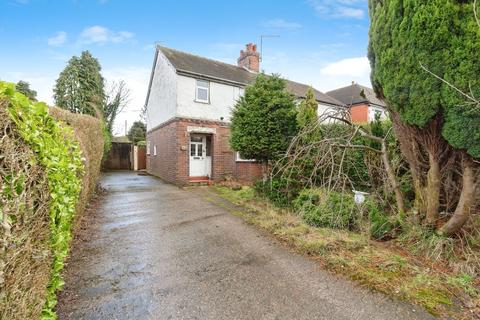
199	162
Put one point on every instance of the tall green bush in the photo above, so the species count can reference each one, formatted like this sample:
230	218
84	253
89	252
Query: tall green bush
58	152
263	120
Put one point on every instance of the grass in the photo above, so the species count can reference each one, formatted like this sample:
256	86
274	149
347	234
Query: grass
384	267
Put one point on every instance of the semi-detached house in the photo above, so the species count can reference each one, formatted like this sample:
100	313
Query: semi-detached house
188	108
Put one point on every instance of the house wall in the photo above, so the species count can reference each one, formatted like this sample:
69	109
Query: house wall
162	101
165	163
325	109
222	99
359	113
172	160
372	111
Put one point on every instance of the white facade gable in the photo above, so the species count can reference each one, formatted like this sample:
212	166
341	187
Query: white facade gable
222	98
174	95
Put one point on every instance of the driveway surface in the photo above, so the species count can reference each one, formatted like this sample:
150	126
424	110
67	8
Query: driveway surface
154	251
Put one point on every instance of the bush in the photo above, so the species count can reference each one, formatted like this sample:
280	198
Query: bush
47	161
25	258
332	209
279	190
382	225
338	210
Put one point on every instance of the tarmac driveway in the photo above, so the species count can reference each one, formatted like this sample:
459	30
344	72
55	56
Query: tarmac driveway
154	251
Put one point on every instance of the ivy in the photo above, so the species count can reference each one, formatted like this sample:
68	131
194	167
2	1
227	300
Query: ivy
58	152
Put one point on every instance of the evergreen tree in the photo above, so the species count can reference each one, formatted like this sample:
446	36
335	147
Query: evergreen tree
24	87
263	120
80	86
415	48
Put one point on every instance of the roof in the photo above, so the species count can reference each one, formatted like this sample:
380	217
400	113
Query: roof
121	139
189	64
355	94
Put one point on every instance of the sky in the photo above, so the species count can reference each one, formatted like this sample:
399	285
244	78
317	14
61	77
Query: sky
322	43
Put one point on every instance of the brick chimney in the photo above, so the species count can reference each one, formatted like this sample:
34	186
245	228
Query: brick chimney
249	58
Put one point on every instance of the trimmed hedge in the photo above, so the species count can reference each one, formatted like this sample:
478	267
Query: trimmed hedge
69	161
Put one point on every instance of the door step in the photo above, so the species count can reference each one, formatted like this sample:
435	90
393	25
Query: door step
200	181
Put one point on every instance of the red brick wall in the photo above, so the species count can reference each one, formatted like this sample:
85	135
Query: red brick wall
359	114
248	171
164	164
172	160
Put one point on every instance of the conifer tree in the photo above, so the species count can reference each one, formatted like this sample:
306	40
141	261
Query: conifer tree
80	86
263	120
424	58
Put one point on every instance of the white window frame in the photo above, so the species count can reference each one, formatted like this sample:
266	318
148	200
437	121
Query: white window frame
154	149
197	87
148	147
238	158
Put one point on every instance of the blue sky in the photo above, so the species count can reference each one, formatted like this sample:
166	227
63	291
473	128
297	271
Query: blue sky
322	42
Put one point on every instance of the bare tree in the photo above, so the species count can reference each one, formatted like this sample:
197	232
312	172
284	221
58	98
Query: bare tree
118	97
326	157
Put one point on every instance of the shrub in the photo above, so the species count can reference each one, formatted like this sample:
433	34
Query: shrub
279	190
25	258
53	159
332	209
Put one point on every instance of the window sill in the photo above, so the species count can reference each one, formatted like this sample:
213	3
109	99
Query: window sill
200	101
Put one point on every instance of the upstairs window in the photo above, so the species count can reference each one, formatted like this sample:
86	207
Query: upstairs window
202	92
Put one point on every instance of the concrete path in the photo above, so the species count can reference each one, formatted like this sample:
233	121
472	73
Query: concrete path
154	251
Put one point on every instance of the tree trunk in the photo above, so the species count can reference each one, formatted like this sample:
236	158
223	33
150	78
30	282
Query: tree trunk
393	179
433	190
465	203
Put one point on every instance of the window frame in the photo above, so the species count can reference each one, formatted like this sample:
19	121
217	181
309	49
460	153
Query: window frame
207	88
148	147
154	149
238	158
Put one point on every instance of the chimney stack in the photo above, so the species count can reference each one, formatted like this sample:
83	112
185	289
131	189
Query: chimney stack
249	58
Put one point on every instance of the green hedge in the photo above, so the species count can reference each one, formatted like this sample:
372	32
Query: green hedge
58	152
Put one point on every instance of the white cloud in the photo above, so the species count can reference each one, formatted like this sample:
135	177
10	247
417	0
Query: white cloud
99	35
343	72
352	66
350	12
282	24
58	39
339	8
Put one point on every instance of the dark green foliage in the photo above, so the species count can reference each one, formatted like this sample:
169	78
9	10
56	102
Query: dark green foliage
444	37
263	120
80	86
279	190
137	132
320	208
24	87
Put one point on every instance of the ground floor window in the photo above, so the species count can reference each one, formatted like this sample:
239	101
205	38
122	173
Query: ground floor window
239	158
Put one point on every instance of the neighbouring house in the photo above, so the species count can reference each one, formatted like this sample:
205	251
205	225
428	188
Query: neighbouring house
188	108
362	102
